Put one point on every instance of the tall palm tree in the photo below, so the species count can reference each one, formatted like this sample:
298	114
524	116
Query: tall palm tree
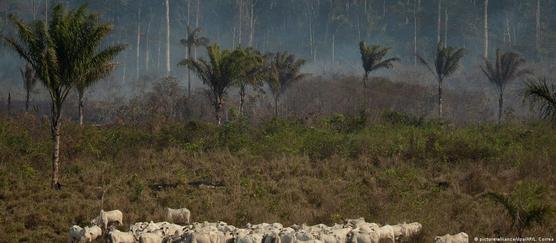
446	62
218	72
192	41
525	206
372	58
506	68
29	81
63	54
542	95
284	70
253	69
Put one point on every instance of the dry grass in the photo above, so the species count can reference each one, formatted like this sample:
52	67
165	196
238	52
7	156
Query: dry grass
276	171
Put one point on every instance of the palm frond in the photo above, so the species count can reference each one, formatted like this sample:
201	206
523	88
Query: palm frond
543	97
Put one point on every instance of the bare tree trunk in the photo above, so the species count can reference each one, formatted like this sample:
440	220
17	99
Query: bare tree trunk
81	111
538	28
507	32
485	29
252	23
46	13
138	44
384	8
445	26
198	13
34	10
333	48
439	21
56	125
168	68
196	26
147	45
414	32
240	34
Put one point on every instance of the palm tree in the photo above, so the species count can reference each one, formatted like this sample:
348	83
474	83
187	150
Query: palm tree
507	67
446	62
63	54
219	72
193	41
543	96
29	81
372	58
526	205
253	69
284	70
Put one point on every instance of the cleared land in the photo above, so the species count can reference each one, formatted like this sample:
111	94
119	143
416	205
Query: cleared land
395	170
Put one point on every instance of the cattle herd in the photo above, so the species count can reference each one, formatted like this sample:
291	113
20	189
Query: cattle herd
352	231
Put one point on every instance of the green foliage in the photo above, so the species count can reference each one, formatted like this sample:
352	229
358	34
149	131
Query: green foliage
372	58
526	205
346	124
506	67
542	95
399	118
284	70
446	61
279	170
219	72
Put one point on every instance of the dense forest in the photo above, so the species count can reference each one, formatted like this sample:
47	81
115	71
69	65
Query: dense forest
323	32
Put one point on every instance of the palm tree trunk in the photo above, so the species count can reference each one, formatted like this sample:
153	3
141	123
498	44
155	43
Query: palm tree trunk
500	107
56	127
275	106
27	97
218	109
81	110
440	99
189	74
9	102
485	29
242	94
365	78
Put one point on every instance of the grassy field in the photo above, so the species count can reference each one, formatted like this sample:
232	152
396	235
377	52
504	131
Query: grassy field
399	169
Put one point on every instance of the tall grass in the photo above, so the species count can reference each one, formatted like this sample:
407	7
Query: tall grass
400	169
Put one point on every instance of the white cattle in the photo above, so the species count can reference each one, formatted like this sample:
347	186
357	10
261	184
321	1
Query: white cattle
360	236
249	238
107	217
150	238
117	236
91	233
303	235
75	233
386	234
407	231
287	236
355	222
457	238
181	215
